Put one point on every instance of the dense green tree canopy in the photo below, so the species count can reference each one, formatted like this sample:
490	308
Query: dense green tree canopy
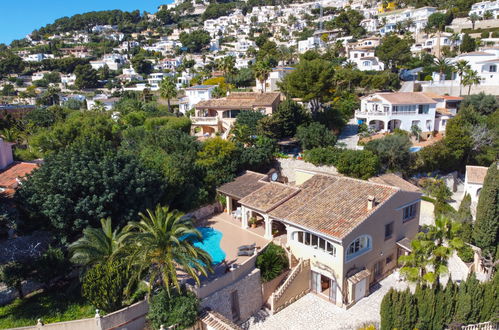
84	183
195	41
394	51
392	150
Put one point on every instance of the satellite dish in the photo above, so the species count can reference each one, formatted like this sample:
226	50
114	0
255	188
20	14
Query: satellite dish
274	176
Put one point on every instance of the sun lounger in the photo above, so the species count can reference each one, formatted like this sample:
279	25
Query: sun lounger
247	247
245	253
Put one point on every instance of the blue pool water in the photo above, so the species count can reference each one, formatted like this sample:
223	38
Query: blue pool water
414	149
211	243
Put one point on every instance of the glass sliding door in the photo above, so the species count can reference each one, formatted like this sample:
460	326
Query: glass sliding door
323	286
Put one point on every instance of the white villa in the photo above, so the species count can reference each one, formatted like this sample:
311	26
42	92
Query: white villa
275	77
485	62
388	111
365	60
473	181
194	95
481	8
347	233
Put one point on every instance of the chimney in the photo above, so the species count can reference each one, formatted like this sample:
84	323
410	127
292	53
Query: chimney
371	202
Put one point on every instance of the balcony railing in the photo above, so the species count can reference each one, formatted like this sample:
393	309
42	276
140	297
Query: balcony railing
204	120
378	113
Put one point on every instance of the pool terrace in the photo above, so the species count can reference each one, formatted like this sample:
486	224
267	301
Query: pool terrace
235	267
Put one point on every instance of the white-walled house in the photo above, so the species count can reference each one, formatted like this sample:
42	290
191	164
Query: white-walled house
195	94
481	8
365	59
308	44
275	77
388	111
473	181
485	62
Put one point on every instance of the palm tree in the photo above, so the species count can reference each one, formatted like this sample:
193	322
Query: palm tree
162	249
416	131
488	15
461	67
473	18
431	250
470	78
262	71
97	244
227	65
454	38
168	89
442	65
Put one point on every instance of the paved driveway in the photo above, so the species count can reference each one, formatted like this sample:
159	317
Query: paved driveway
312	312
348	135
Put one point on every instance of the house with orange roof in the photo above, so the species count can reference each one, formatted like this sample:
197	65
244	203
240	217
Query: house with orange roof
473	181
11	172
387	111
346	233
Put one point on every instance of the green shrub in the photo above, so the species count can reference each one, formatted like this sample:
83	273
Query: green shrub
174	309
51	264
484	34
272	262
361	164
466	253
315	135
168	122
322	156
104	285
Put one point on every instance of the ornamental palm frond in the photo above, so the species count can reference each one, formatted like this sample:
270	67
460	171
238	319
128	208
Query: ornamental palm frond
97	244
162	248
168	89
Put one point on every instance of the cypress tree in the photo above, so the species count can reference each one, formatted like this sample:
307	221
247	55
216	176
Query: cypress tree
490	307
450	302
426	304
463	303
410	311
475	290
440	306
465	218
485	231
397	309
386	310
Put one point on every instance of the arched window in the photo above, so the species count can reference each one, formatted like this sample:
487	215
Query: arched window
314	241
359	246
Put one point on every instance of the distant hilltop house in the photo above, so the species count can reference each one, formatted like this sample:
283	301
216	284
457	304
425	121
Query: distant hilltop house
276	76
480	8
350	232
218	115
365	59
386	112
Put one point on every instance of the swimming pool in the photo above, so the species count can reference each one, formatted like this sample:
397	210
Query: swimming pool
415	149
210	243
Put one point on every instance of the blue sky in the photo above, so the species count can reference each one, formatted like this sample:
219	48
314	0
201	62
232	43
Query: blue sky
20	17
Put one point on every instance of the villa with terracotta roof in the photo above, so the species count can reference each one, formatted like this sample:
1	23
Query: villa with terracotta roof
473	181
11	172
218	115
401	110
350	232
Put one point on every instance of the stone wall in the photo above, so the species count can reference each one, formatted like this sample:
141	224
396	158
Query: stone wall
249	291
288	166
206	211
299	286
454	89
269	287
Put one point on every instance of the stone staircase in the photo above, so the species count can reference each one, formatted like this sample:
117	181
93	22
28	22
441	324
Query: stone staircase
293	288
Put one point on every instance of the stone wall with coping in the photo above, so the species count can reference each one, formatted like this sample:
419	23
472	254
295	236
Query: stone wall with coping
288	166
249	293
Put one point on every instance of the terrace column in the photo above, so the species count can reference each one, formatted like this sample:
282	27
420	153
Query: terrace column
229	204
244	217
268	227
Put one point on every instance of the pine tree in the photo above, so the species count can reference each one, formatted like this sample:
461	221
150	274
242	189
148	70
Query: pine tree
386	310
485	231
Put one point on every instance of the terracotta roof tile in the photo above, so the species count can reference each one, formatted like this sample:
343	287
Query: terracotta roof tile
395	181
332	205
407	98
240	101
18	170
476	174
269	196
243	185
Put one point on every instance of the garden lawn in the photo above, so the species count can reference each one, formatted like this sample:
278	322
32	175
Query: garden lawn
59	304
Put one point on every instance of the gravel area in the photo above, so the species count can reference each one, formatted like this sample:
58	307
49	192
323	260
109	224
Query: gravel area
313	312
